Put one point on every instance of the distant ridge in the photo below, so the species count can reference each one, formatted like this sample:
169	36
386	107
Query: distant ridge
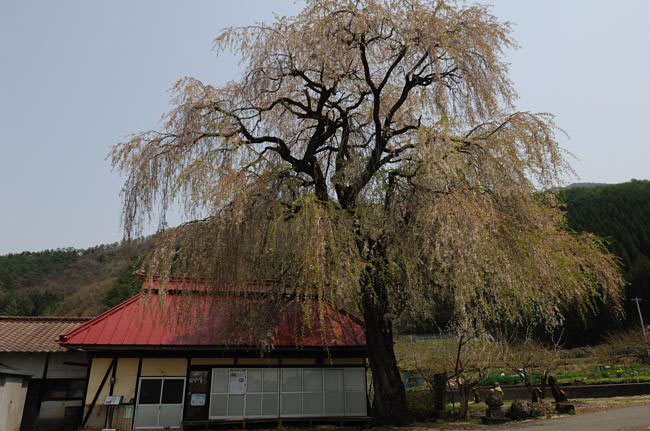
586	185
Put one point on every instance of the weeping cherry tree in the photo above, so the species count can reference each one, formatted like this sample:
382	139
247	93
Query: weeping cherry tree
370	156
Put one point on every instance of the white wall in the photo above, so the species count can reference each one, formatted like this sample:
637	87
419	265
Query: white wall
12	400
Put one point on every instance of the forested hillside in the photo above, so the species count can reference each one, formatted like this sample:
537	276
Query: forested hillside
68	281
26	268
619	213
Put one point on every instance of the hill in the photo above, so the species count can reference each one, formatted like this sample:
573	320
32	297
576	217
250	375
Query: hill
585	185
620	214
69	282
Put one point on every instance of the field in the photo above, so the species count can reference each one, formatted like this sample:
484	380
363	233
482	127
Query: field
489	362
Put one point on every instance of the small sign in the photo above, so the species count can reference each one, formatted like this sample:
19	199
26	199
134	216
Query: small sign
198	377
128	412
197	400
113	400
237	382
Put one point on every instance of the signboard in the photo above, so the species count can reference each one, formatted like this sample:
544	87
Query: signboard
128	412
198	377
113	400
237	384
197	400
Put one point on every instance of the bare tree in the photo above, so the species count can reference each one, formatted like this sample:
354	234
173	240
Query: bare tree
528	356
369	155
626	346
463	358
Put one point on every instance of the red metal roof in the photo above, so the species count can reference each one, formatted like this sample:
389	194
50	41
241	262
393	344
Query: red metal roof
35	334
184	315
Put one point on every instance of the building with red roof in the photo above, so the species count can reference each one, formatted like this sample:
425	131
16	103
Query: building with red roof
181	354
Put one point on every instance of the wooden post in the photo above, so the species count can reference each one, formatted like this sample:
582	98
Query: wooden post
41	390
83	400
137	387
439	391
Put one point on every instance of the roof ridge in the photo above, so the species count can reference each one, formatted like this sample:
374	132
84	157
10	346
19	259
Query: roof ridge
191	280
47	318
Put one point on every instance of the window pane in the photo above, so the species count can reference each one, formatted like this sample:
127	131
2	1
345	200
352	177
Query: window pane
253	404
254	383
218	404
355	379
146	416
333	380
170	416
236	405
291	380
75	390
172	392
271	380
150	391
334	403
312	404
355	403
313	380
270	404
220	380
291	404
55	389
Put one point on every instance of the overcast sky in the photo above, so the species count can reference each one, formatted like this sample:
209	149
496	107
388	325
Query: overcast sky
79	76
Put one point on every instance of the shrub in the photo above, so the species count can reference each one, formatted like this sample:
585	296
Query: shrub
420	405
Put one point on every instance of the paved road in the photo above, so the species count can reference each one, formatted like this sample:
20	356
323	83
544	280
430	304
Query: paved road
625	419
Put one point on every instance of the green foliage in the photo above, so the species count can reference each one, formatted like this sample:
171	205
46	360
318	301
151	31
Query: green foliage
619	213
26	268
125	286
30	304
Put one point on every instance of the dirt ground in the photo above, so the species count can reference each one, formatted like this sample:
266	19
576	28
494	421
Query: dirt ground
588	405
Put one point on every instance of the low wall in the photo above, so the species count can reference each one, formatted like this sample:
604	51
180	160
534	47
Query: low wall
576	391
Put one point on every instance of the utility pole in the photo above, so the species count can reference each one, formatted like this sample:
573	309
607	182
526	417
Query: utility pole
638	307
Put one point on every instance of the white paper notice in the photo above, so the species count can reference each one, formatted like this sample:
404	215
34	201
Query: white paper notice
237	382
197	400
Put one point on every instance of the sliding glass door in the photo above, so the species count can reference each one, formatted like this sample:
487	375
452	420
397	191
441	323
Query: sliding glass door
160	403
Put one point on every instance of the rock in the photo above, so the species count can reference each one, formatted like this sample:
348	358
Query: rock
565	408
520	410
494	398
494	401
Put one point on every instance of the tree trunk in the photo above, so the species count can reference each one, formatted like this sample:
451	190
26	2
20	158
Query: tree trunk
439	393
477	395
464	390
542	385
389	401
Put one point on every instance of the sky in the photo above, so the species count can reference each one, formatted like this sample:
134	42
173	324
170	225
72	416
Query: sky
78	76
